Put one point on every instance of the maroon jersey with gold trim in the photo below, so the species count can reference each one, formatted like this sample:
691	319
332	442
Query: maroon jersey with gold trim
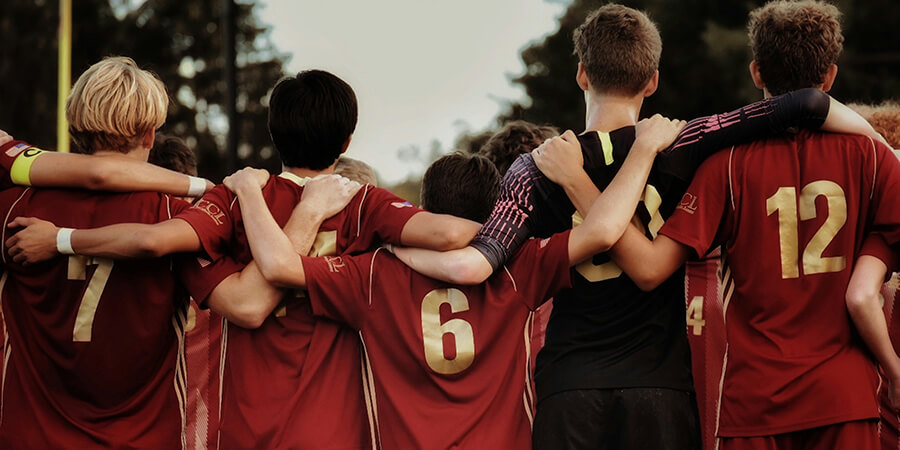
450	363
294	381
791	213
93	348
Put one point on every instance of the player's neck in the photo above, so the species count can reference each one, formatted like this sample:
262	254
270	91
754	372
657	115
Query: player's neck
138	153
611	112
303	172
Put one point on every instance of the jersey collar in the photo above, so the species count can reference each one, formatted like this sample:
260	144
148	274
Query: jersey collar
299	181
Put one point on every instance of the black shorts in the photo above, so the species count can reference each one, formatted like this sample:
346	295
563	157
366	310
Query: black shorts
634	418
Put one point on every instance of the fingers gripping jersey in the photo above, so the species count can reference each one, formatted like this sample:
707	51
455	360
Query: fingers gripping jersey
93	346
295	381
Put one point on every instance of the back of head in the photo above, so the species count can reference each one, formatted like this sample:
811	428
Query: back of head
619	48
113	104
461	185
311	117
173	154
885	119
515	138
795	43
356	170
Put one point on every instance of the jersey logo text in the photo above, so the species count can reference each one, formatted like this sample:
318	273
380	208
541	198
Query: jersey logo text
212	210
688	203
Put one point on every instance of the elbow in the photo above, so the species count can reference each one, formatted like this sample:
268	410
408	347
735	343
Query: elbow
249	320
456	237
101	176
149	245
859	299
279	272
464	272
647	284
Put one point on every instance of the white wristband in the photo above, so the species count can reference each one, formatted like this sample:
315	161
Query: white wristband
197	187
64	241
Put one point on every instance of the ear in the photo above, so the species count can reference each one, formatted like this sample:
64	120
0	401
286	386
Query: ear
651	86
757	78
346	144
830	75
582	79
148	139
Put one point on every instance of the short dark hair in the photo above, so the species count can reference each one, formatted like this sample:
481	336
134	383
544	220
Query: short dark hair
462	185
794	43
311	116
515	138
173	154
619	48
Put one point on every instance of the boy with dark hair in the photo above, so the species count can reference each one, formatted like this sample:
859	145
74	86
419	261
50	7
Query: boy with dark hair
789	213
448	190
514	139
608	343
311	397
448	366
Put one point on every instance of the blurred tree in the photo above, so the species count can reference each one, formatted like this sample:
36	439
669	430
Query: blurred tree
703	68
178	40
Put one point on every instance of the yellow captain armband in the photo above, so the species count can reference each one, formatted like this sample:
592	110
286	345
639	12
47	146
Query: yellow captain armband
20	172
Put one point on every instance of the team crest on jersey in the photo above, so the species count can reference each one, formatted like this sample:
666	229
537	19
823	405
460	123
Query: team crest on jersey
688	203
211	209
334	263
399	205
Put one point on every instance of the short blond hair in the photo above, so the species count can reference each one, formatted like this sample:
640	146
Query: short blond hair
885	119
113	104
356	170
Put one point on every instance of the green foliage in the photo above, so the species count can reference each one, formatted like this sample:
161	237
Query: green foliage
181	41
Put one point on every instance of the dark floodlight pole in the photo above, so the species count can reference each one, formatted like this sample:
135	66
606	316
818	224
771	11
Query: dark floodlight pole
228	55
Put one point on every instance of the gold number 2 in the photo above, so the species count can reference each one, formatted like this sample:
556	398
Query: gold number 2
87	309
785	202
433	332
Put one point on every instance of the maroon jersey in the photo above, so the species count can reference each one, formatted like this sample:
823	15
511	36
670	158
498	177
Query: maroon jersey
294	381
93	350
202	348
791	213
450	363
14	151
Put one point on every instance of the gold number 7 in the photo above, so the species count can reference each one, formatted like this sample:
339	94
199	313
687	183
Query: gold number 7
87	309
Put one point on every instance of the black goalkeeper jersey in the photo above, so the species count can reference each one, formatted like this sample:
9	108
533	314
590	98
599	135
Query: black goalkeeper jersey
604	332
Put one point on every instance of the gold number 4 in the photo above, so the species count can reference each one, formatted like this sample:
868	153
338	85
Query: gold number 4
87	309
433	332
785	202
695	315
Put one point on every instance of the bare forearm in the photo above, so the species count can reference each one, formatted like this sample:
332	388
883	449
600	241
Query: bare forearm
842	119
245	298
462	266
110	173
864	307
302	229
271	248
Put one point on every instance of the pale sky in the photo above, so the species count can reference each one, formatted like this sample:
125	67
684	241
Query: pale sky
422	69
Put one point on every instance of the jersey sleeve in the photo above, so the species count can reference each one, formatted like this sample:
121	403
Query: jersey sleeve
212	218
16	158
698	218
200	276
885	186
510	223
381	215
703	136
541	268
338	287
875	246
